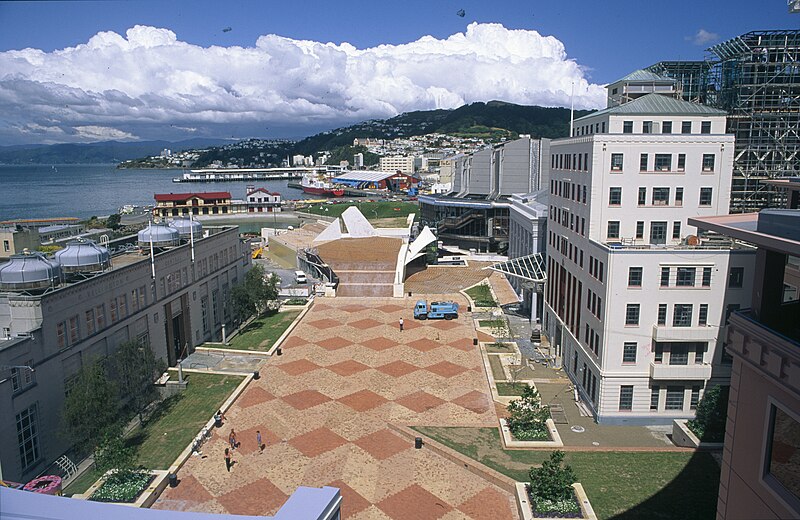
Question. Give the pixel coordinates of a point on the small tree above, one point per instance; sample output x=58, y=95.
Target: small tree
x=527, y=416
x=113, y=453
x=552, y=481
x=136, y=369
x=113, y=221
x=254, y=294
x=91, y=406
x=711, y=416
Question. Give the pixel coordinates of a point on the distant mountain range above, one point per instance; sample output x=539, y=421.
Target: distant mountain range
x=102, y=152
x=479, y=119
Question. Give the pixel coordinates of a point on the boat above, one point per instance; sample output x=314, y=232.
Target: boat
x=319, y=186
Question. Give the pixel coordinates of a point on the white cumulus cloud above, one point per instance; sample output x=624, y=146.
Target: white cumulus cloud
x=702, y=37
x=148, y=81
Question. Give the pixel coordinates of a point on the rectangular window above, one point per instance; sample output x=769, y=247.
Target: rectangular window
x=625, y=397
x=642, y=196
x=674, y=398
x=61, y=334
x=113, y=310
x=658, y=232
x=695, y=398
x=21, y=377
x=647, y=127
x=679, y=196
x=705, y=127
x=627, y=127
x=603, y=127
x=666, y=127
x=100, y=316
x=616, y=162
x=682, y=315
x=632, y=314
x=676, y=230
x=658, y=356
x=584, y=194
x=615, y=196
x=613, y=229
x=665, y=276
x=654, y=393
x=681, y=162
x=660, y=196
x=686, y=277
x=643, y=162
x=204, y=311
x=90, y=322
x=122, y=305
x=706, y=277
x=28, y=437
x=686, y=127
x=663, y=162
x=6, y=245
x=782, y=471
x=705, y=196
x=629, y=352
x=702, y=314
x=699, y=352
x=708, y=162
x=736, y=278
x=640, y=229
x=662, y=313
x=634, y=277
x=74, y=333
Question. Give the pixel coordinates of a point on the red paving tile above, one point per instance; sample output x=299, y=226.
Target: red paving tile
x=444, y=324
x=334, y=343
x=306, y=399
x=364, y=324
x=414, y=502
x=325, y=323
x=353, y=308
x=423, y=345
x=389, y=308
x=317, y=442
x=247, y=440
x=261, y=497
x=382, y=444
x=254, y=395
x=419, y=401
x=446, y=369
x=488, y=504
x=293, y=341
x=347, y=368
x=397, y=368
x=464, y=344
x=379, y=343
x=363, y=400
x=301, y=366
x=191, y=490
x=352, y=502
x=474, y=401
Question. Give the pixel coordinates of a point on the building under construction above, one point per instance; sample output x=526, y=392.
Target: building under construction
x=755, y=77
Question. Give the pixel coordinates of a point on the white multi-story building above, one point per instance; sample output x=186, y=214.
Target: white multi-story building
x=397, y=163
x=636, y=303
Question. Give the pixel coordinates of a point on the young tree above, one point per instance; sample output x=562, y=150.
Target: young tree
x=712, y=415
x=552, y=481
x=254, y=294
x=91, y=407
x=136, y=369
x=113, y=221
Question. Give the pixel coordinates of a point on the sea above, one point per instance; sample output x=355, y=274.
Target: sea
x=85, y=190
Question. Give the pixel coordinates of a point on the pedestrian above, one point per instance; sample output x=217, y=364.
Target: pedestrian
x=232, y=439
x=401, y=324
x=258, y=440
x=228, y=460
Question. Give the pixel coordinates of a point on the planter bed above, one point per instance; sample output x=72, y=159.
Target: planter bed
x=525, y=504
x=124, y=492
x=684, y=437
x=509, y=442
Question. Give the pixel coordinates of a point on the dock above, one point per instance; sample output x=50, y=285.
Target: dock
x=348, y=191
x=242, y=174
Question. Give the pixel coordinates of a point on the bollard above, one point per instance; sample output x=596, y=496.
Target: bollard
x=279, y=351
x=256, y=375
x=475, y=342
x=173, y=480
x=409, y=293
x=418, y=442
x=469, y=308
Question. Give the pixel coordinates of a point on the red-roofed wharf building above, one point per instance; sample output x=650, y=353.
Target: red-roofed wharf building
x=184, y=204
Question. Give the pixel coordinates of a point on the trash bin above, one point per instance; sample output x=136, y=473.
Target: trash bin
x=173, y=480
x=475, y=342
x=418, y=442
x=256, y=375
x=279, y=351
x=218, y=421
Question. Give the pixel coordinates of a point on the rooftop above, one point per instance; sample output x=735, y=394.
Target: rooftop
x=363, y=175
x=644, y=75
x=657, y=104
x=180, y=197
x=771, y=229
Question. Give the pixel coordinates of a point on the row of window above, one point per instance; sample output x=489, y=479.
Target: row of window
x=597, y=128
x=682, y=314
x=592, y=339
x=660, y=196
x=674, y=397
x=658, y=231
x=568, y=190
x=570, y=161
x=651, y=127
x=662, y=162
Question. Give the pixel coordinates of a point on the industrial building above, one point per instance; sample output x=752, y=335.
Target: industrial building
x=380, y=180
x=636, y=302
x=166, y=288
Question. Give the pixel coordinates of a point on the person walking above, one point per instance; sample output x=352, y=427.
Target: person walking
x=232, y=439
x=401, y=324
x=258, y=440
x=228, y=460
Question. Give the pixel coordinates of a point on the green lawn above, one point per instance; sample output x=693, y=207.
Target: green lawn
x=491, y=324
x=482, y=296
x=173, y=425
x=620, y=485
x=261, y=333
x=497, y=368
x=500, y=348
x=511, y=388
x=371, y=210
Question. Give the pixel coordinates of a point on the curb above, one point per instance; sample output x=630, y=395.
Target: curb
x=289, y=329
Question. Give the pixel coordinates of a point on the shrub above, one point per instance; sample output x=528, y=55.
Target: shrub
x=712, y=413
x=527, y=417
x=551, y=486
x=123, y=486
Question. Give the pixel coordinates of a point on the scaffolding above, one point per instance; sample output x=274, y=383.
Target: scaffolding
x=755, y=77
x=691, y=78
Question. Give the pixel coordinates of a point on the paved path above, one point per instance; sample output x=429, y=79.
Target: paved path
x=324, y=406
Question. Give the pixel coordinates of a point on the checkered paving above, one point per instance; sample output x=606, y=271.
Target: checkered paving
x=323, y=409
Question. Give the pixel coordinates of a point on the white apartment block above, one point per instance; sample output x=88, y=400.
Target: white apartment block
x=395, y=163
x=636, y=303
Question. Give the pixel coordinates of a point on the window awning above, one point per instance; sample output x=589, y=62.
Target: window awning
x=529, y=268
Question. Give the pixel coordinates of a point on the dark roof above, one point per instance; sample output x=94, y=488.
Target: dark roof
x=180, y=197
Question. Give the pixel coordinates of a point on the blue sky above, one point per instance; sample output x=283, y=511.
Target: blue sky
x=606, y=39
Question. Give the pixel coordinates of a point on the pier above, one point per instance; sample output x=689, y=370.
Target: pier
x=242, y=174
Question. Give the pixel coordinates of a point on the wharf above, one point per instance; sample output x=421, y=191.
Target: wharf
x=348, y=191
x=244, y=174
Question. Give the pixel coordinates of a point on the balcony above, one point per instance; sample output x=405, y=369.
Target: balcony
x=666, y=372
x=666, y=333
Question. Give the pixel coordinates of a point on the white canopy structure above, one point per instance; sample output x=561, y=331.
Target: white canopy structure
x=529, y=268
